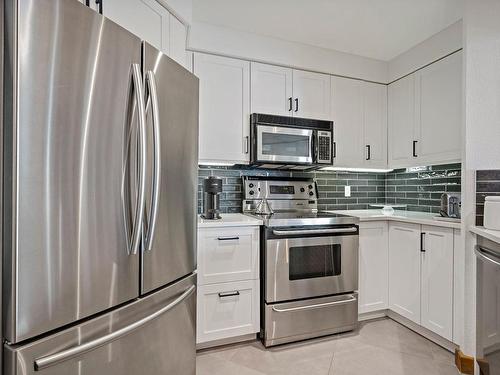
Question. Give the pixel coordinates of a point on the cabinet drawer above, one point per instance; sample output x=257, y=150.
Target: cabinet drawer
x=228, y=254
x=227, y=310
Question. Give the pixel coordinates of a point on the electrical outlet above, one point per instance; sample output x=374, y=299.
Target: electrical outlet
x=347, y=191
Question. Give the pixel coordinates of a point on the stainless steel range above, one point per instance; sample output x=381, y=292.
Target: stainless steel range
x=309, y=262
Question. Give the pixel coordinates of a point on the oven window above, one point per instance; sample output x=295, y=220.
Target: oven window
x=307, y=262
x=285, y=144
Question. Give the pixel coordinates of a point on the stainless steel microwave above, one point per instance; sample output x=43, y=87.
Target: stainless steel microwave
x=291, y=142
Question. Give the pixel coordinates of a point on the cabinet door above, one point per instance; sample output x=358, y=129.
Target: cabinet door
x=145, y=18
x=373, y=266
x=271, y=90
x=375, y=125
x=347, y=116
x=311, y=93
x=439, y=110
x=404, y=270
x=224, y=108
x=177, y=47
x=437, y=280
x=401, y=113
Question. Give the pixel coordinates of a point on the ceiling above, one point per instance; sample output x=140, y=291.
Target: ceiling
x=380, y=29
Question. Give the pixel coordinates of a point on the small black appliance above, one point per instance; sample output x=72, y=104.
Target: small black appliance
x=212, y=187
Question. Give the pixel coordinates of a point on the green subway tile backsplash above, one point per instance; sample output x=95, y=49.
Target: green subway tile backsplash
x=421, y=191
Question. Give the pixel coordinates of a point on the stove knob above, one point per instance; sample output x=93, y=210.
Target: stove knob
x=251, y=192
x=302, y=189
x=310, y=186
x=311, y=193
x=250, y=185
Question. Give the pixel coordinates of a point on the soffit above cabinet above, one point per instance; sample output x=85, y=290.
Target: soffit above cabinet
x=364, y=27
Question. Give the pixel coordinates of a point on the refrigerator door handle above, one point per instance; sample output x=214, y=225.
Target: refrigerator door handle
x=141, y=186
x=155, y=194
x=65, y=355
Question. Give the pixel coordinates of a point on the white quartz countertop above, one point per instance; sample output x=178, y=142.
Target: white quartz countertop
x=492, y=235
x=401, y=216
x=229, y=220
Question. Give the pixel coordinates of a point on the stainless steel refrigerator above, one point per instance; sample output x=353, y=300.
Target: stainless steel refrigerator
x=99, y=156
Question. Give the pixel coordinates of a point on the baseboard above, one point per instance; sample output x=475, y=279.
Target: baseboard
x=372, y=315
x=228, y=341
x=441, y=341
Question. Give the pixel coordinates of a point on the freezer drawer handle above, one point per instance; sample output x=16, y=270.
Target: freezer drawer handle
x=65, y=355
x=482, y=253
x=155, y=194
x=314, y=231
x=317, y=306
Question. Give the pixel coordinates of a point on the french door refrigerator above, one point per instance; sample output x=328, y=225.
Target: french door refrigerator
x=100, y=157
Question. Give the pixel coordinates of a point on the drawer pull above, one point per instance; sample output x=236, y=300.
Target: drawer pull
x=230, y=294
x=228, y=238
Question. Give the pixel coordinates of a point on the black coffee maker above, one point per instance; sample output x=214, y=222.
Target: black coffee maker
x=212, y=187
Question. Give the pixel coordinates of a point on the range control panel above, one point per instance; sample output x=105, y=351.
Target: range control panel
x=280, y=189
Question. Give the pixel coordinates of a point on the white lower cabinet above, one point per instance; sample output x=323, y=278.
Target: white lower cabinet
x=437, y=280
x=228, y=283
x=421, y=275
x=373, y=266
x=227, y=310
x=404, y=270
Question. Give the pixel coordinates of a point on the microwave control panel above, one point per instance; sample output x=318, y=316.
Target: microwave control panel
x=324, y=147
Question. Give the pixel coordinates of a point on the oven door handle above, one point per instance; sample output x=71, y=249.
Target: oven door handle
x=314, y=231
x=317, y=306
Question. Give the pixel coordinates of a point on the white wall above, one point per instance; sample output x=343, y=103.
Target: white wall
x=228, y=42
x=481, y=126
x=439, y=45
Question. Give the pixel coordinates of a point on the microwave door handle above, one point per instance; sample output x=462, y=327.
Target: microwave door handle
x=314, y=154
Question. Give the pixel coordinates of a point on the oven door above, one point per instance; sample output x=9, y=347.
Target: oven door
x=304, y=263
x=282, y=144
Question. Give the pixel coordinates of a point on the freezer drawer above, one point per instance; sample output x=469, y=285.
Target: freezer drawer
x=151, y=336
x=299, y=320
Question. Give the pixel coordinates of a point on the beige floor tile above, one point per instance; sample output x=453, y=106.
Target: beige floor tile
x=378, y=347
x=211, y=365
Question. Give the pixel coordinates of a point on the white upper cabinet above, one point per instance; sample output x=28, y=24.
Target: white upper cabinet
x=287, y=92
x=347, y=116
x=401, y=105
x=177, y=46
x=437, y=280
x=271, y=89
x=438, y=89
x=311, y=95
x=145, y=18
x=375, y=124
x=425, y=115
x=404, y=270
x=224, y=108
x=152, y=22
x=373, y=266
x=359, y=114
